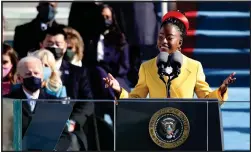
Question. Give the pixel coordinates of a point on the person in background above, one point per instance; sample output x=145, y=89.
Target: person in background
x=9, y=63
x=112, y=57
x=52, y=81
x=112, y=48
x=75, y=48
x=28, y=36
x=74, y=78
x=30, y=76
x=85, y=17
x=134, y=19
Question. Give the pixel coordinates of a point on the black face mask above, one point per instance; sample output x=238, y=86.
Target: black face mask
x=57, y=52
x=32, y=83
x=46, y=13
x=108, y=23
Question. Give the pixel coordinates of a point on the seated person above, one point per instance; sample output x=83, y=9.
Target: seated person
x=30, y=75
x=52, y=81
x=75, y=51
x=74, y=78
x=9, y=64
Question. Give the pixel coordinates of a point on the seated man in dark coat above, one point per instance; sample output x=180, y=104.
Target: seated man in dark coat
x=28, y=36
x=30, y=75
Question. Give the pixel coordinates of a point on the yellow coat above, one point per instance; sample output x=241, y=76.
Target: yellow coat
x=191, y=80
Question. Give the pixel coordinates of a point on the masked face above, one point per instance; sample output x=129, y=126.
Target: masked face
x=46, y=13
x=56, y=44
x=6, y=71
x=108, y=23
x=31, y=75
x=32, y=83
x=107, y=14
x=57, y=52
x=47, y=73
x=69, y=54
x=6, y=65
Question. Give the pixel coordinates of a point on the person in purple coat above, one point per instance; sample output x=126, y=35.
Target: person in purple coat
x=112, y=56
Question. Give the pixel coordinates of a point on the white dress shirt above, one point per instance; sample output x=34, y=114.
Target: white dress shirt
x=100, y=48
x=76, y=62
x=58, y=64
x=105, y=53
x=32, y=103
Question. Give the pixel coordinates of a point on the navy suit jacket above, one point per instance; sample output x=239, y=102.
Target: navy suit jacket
x=76, y=81
x=18, y=93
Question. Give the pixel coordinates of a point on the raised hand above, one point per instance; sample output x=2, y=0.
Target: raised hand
x=110, y=81
x=229, y=80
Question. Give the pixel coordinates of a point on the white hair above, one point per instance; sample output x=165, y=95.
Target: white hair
x=27, y=60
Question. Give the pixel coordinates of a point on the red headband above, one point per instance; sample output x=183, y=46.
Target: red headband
x=177, y=15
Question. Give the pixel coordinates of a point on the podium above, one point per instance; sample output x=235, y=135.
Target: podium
x=139, y=124
x=45, y=128
x=169, y=124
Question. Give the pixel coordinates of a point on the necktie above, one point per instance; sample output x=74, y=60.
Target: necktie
x=32, y=104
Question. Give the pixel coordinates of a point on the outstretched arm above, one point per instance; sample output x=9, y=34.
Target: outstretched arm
x=140, y=90
x=203, y=90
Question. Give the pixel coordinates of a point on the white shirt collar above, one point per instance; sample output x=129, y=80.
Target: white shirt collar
x=76, y=62
x=34, y=96
x=58, y=63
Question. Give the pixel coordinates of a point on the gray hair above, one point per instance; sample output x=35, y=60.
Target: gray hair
x=27, y=60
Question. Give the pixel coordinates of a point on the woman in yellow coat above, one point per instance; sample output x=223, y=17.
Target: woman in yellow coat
x=191, y=78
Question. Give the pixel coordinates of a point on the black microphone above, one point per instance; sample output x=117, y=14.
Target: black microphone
x=173, y=60
x=176, y=61
x=162, y=62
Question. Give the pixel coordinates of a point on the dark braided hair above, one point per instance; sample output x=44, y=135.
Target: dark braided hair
x=178, y=24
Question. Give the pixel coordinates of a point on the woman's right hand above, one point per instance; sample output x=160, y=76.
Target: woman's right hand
x=110, y=81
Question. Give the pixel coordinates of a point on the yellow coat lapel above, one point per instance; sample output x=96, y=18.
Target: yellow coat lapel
x=176, y=83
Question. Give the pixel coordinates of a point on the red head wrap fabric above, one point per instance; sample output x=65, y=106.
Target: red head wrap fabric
x=178, y=15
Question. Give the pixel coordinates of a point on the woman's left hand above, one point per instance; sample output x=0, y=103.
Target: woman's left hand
x=229, y=80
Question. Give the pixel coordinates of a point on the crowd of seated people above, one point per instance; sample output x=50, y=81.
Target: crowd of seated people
x=47, y=62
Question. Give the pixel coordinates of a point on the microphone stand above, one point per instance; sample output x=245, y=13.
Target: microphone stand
x=168, y=83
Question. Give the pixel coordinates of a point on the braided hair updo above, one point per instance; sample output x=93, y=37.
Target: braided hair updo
x=178, y=24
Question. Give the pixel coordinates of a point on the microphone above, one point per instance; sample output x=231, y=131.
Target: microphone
x=176, y=61
x=162, y=62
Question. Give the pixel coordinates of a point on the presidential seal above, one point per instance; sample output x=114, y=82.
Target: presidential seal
x=169, y=128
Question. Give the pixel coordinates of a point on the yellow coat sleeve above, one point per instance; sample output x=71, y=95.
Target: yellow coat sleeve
x=203, y=90
x=140, y=90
